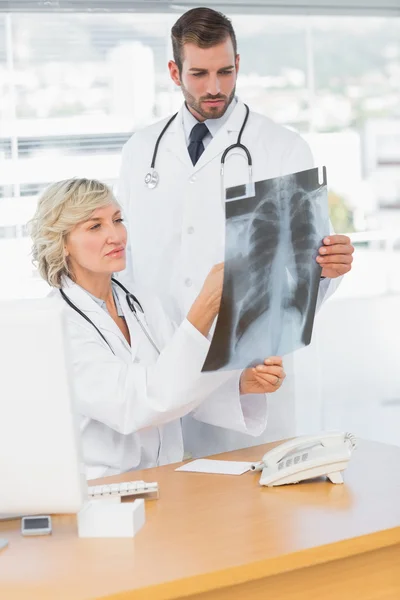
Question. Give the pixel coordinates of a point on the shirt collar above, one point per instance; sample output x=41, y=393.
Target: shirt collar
x=102, y=303
x=213, y=125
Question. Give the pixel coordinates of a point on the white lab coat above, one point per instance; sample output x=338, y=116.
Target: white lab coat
x=129, y=404
x=176, y=230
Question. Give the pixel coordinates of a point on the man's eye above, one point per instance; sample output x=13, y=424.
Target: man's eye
x=198, y=74
x=226, y=72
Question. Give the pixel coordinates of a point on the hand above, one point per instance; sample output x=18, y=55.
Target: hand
x=206, y=306
x=211, y=292
x=335, y=256
x=263, y=379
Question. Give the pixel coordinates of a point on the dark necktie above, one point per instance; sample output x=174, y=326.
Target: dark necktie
x=196, y=146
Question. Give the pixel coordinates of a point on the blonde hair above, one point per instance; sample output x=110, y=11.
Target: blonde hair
x=61, y=207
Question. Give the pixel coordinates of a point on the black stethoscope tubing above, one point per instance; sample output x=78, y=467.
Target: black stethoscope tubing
x=130, y=300
x=239, y=142
x=160, y=137
x=224, y=155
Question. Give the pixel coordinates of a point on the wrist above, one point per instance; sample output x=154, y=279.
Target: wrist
x=242, y=383
x=201, y=316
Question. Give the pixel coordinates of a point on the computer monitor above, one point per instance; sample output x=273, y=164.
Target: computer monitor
x=40, y=458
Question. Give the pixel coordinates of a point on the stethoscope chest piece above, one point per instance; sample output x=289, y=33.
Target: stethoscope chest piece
x=151, y=180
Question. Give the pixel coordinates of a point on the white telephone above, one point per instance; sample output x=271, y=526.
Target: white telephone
x=307, y=457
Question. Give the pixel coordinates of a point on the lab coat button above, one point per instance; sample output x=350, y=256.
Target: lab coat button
x=190, y=230
x=188, y=282
x=192, y=179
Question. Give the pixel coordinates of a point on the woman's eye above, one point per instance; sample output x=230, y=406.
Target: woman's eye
x=95, y=226
x=120, y=220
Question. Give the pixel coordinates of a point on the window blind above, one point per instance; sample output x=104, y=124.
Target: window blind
x=312, y=7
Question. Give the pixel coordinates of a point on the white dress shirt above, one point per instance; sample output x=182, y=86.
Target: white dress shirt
x=102, y=303
x=213, y=125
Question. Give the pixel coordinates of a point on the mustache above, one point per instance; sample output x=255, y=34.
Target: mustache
x=217, y=97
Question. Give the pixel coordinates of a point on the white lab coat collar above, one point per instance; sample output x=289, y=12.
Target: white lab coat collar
x=213, y=125
x=80, y=298
x=176, y=140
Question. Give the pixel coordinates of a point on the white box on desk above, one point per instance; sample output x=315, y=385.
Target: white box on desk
x=108, y=519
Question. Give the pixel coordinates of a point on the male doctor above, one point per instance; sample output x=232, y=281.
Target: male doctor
x=173, y=198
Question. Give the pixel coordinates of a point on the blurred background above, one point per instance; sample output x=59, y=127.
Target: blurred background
x=75, y=84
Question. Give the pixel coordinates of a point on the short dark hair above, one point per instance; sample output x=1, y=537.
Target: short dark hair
x=203, y=27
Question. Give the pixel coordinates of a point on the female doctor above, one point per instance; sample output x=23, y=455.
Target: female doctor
x=135, y=373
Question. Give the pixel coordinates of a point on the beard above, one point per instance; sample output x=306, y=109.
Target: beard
x=214, y=112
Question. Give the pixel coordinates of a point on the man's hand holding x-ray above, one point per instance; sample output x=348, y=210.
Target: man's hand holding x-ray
x=335, y=256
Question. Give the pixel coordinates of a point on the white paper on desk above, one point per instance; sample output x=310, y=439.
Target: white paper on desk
x=221, y=467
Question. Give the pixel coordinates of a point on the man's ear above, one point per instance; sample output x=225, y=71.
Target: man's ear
x=174, y=72
x=237, y=63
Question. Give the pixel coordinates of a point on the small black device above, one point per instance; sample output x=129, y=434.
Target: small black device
x=38, y=525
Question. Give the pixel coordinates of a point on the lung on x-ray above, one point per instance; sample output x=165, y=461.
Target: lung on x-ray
x=271, y=278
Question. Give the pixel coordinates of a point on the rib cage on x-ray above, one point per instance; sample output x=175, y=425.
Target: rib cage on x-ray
x=271, y=276
x=262, y=238
x=303, y=242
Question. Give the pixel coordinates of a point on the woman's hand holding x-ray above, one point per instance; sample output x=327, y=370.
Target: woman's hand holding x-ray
x=263, y=379
x=206, y=306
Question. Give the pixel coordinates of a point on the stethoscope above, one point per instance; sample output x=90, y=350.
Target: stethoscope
x=131, y=300
x=152, y=177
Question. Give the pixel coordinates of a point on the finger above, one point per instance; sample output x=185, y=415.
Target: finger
x=336, y=239
x=218, y=267
x=268, y=380
x=265, y=380
x=345, y=259
x=337, y=249
x=273, y=360
x=274, y=371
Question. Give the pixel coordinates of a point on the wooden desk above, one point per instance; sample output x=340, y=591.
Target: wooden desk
x=219, y=537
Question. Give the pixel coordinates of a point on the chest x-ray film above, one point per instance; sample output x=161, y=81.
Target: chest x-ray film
x=271, y=278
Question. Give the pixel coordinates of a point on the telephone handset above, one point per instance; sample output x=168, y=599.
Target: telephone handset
x=307, y=457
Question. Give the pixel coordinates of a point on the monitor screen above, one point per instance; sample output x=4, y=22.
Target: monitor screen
x=38, y=428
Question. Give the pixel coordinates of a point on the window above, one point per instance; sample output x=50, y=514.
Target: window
x=75, y=86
